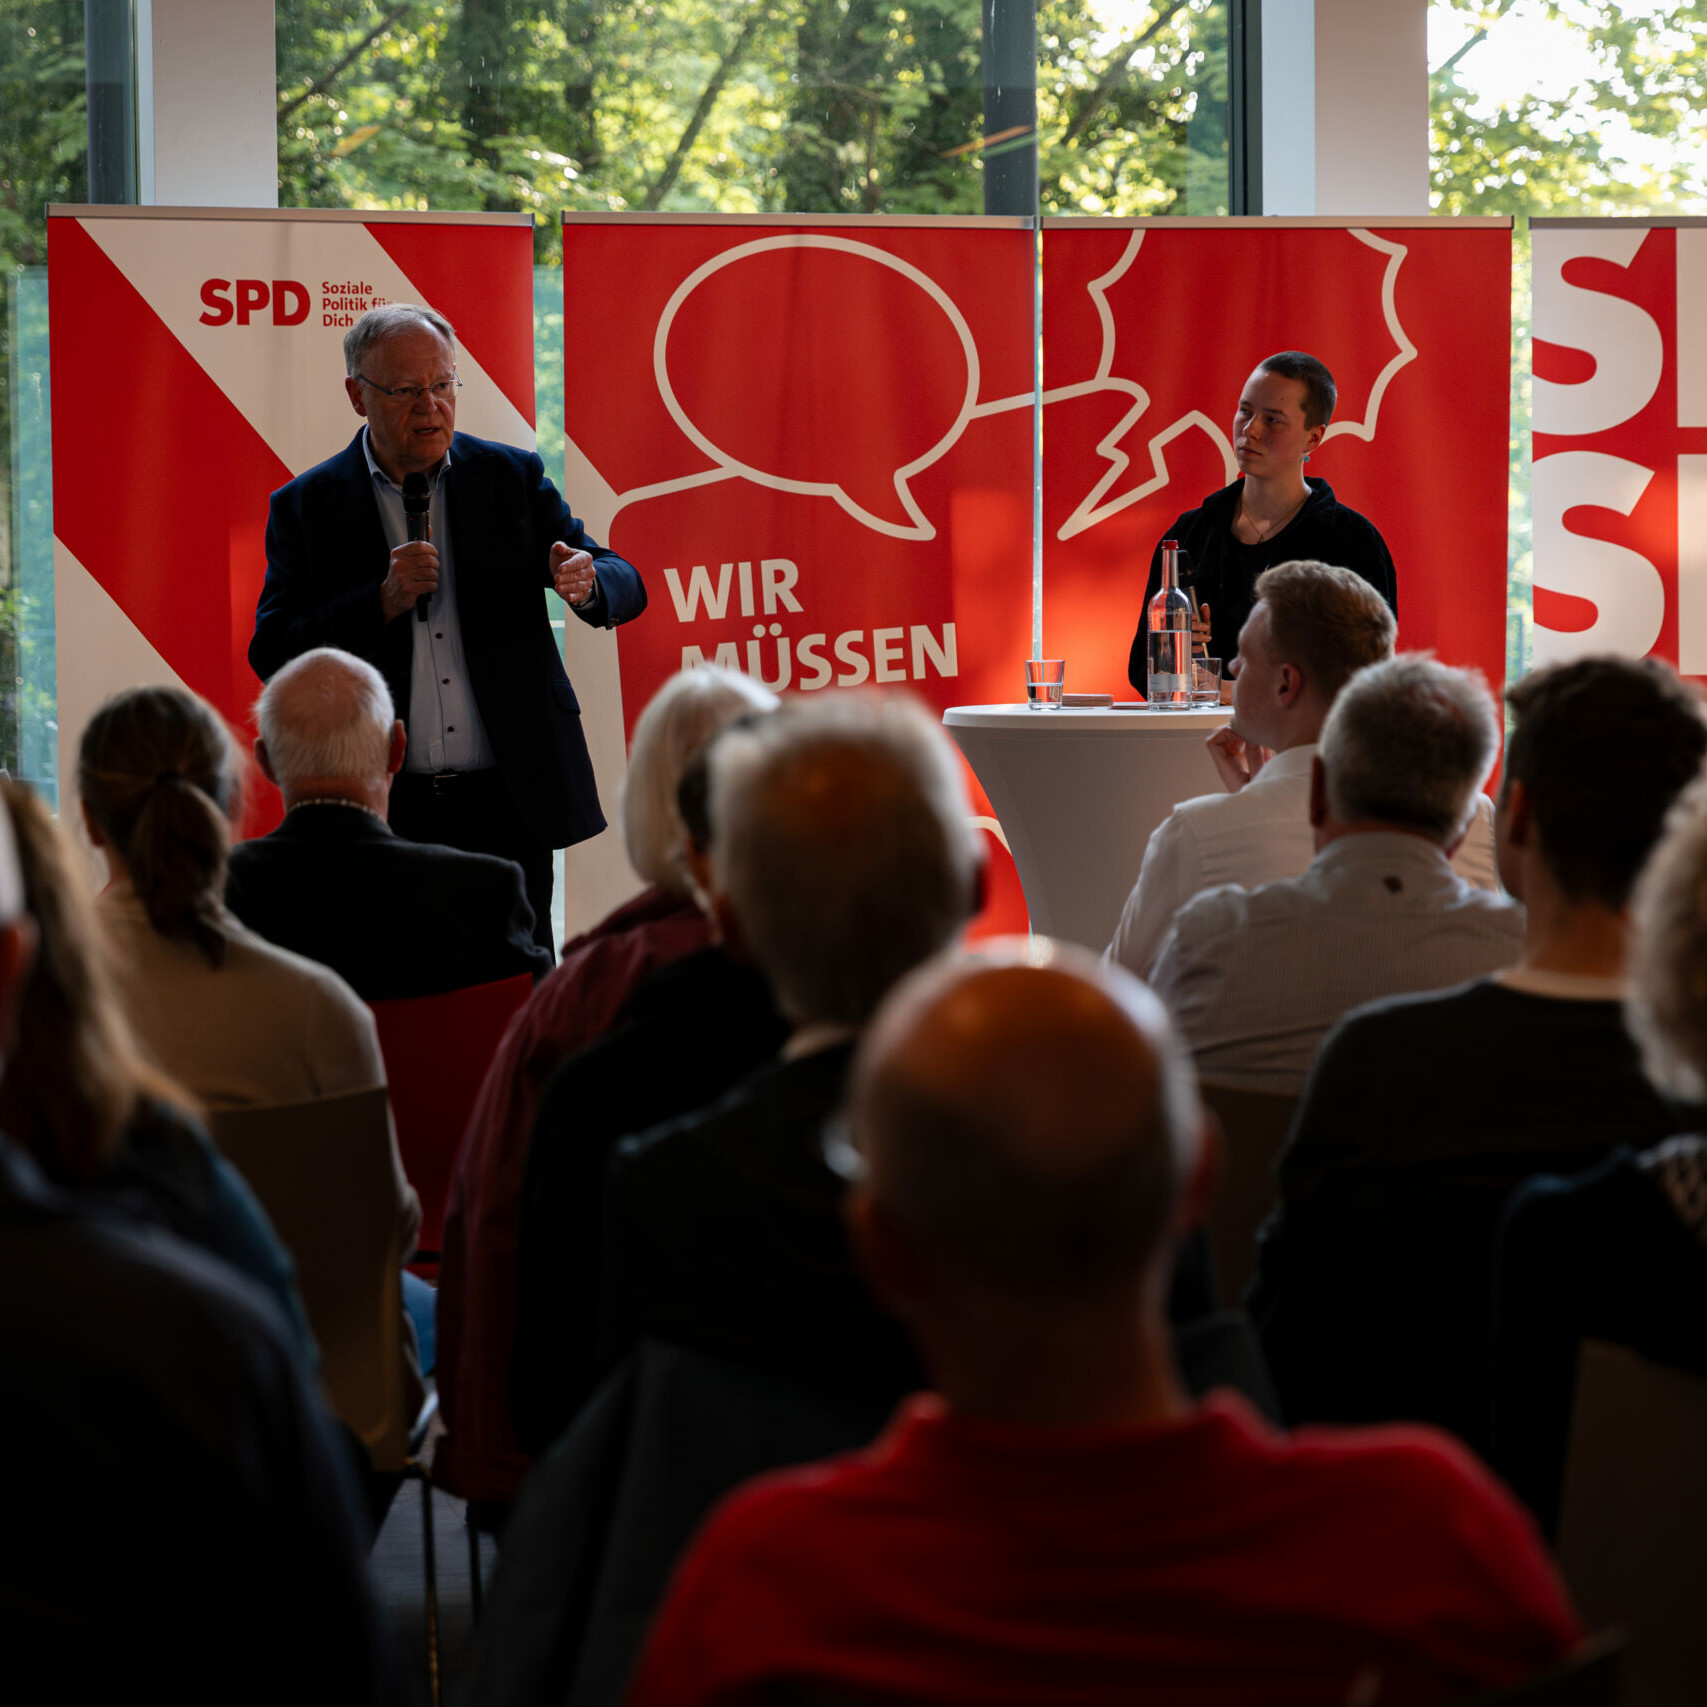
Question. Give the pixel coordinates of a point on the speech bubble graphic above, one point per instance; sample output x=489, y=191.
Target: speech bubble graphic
x=866, y=378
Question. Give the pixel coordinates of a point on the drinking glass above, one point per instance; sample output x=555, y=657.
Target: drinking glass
x=1044, y=680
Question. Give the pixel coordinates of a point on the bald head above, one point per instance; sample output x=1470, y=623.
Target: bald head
x=1028, y=1116
x=324, y=716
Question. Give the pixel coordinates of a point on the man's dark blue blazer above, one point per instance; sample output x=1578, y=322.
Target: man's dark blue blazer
x=326, y=559
x=392, y=918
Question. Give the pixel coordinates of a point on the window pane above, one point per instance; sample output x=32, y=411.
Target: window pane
x=43, y=158
x=844, y=106
x=1562, y=107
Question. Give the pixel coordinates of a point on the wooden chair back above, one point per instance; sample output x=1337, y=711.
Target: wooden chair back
x=322, y=1171
x=1255, y=1125
x=1633, y=1515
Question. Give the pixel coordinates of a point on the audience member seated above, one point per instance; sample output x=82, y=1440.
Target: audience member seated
x=713, y=1018
x=1618, y=1253
x=1256, y=977
x=1058, y=1522
x=842, y=855
x=91, y=1112
x=236, y=1021
x=1425, y=1112
x=1310, y=630
x=577, y=1003
x=177, y=1507
x=392, y=918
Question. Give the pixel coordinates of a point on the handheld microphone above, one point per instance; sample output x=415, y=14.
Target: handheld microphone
x=417, y=500
x=1187, y=581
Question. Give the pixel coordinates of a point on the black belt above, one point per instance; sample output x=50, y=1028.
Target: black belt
x=447, y=782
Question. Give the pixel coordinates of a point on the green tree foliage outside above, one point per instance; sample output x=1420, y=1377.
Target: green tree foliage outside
x=852, y=106
x=1629, y=139
x=43, y=158
x=815, y=106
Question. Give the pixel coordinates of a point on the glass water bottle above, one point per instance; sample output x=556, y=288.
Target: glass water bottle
x=1168, y=620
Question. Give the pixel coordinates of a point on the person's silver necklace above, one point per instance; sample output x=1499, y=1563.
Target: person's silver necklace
x=1264, y=529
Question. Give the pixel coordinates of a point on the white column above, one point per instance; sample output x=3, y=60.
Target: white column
x=1288, y=106
x=207, y=103
x=1345, y=106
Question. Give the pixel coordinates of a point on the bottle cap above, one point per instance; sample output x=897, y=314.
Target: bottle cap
x=1170, y=545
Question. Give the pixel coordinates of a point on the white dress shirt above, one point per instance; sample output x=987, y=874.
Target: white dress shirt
x=1255, y=978
x=1258, y=835
x=445, y=731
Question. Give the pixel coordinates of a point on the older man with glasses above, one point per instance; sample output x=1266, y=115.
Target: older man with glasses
x=415, y=517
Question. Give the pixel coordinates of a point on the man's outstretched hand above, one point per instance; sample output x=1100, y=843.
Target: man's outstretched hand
x=572, y=574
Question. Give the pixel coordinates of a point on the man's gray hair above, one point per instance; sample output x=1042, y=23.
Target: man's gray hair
x=842, y=840
x=1667, y=1010
x=326, y=714
x=683, y=715
x=1408, y=743
x=386, y=321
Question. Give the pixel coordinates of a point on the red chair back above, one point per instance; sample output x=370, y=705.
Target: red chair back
x=437, y=1050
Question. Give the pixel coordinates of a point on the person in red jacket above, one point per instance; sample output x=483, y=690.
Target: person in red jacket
x=1058, y=1521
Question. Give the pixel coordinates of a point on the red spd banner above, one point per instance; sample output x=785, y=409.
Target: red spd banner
x=1152, y=327
x=197, y=367
x=1619, y=486
x=817, y=443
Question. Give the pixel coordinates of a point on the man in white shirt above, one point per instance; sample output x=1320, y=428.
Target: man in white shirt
x=1312, y=628
x=1255, y=977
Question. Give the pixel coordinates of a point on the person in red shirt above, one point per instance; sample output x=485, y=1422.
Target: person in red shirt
x=1058, y=1522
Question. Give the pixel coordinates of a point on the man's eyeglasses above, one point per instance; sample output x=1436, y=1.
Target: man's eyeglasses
x=441, y=390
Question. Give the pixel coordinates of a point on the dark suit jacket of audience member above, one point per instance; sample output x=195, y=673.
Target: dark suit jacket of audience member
x=177, y=1506
x=392, y=918
x=723, y=1231
x=1423, y=1114
x=693, y=1029
x=1614, y=1254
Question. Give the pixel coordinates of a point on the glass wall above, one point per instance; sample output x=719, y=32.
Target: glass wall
x=44, y=134
x=831, y=106
x=1562, y=107
x=826, y=106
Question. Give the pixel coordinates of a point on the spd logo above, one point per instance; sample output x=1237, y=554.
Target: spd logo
x=225, y=300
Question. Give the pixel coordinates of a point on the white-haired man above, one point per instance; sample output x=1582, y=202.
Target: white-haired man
x=1058, y=1521
x=1256, y=977
x=497, y=761
x=1313, y=627
x=392, y=918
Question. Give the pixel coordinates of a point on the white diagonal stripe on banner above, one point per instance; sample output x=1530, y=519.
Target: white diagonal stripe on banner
x=110, y=652
x=286, y=381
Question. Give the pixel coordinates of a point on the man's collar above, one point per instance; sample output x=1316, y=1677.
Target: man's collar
x=811, y=1039
x=1291, y=762
x=433, y=474
x=338, y=800
x=1373, y=847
